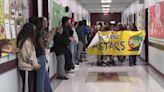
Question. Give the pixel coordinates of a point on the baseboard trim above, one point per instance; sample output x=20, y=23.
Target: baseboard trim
x=141, y=58
x=156, y=70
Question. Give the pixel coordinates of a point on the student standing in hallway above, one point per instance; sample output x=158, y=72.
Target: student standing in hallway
x=72, y=45
x=42, y=77
x=47, y=36
x=81, y=43
x=27, y=60
x=68, y=55
x=60, y=47
x=76, y=44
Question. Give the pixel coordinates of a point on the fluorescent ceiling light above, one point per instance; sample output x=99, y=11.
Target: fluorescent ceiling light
x=105, y=6
x=105, y=9
x=106, y=12
x=106, y=1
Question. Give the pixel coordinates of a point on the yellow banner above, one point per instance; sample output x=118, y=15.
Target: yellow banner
x=117, y=43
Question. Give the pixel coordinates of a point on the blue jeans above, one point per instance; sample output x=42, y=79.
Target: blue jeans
x=75, y=54
x=132, y=58
x=72, y=49
x=42, y=77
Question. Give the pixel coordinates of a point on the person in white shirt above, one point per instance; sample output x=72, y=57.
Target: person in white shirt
x=77, y=41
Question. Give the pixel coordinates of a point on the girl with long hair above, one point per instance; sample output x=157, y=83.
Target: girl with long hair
x=27, y=60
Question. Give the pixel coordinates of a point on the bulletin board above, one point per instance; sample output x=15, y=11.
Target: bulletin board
x=13, y=14
x=58, y=11
x=131, y=19
x=140, y=20
x=156, y=22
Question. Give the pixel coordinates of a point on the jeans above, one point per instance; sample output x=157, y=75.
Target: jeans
x=80, y=50
x=61, y=65
x=72, y=49
x=132, y=59
x=75, y=55
x=42, y=81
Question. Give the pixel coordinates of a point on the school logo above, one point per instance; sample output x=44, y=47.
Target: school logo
x=135, y=42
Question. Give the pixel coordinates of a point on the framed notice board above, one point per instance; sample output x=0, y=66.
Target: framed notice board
x=13, y=14
x=156, y=22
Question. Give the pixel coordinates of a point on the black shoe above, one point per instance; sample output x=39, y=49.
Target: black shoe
x=130, y=64
x=100, y=63
x=80, y=61
x=112, y=63
x=62, y=78
x=77, y=63
x=134, y=63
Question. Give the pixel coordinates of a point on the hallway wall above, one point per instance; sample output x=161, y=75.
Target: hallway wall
x=156, y=56
x=75, y=7
x=10, y=81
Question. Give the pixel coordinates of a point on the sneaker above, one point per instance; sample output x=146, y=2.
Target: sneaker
x=80, y=60
x=72, y=71
x=77, y=66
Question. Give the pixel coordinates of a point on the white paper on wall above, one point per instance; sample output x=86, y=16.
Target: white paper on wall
x=6, y=5
x=7, y=29
x=13, y=31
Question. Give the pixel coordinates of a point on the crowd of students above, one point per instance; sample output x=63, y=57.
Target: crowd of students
x=69, y=42
x=110, y=60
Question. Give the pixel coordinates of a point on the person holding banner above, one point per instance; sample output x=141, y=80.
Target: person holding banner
x=132, y=58
x=100, y=61
x=120, y=28
x=109, y=59
x=119, y=43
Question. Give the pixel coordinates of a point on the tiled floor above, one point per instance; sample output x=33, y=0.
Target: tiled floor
x=107, y=77
x=90, y=78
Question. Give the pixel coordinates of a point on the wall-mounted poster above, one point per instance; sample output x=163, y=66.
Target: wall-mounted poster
x=2, y=32
x=156, y=20
x=7, y=29
x=13, y=31
x=131, y=19
x=6, y=3
x=140, y=20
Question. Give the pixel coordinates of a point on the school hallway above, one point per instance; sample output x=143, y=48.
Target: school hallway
x=119, y=78
x=69, y=45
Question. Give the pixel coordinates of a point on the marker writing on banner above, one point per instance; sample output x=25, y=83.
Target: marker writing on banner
x=103, y=46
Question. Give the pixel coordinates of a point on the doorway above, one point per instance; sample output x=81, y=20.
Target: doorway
x=45, y=9
x=33, y=10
